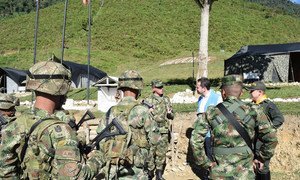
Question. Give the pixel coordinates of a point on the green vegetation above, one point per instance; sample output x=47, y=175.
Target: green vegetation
x=281, y=6
x=18, y=7
x=142, y=34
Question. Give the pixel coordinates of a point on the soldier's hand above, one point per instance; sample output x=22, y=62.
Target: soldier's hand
x=257, y=165
x=213, y=164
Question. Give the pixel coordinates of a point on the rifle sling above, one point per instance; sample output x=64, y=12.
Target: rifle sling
x=33, y=127
x=232, y=120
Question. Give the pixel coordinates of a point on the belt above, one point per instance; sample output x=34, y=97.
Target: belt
x=235, y=150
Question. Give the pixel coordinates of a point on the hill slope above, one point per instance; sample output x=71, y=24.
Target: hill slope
x=141, y=34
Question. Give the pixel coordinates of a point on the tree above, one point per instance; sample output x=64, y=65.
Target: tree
x=205, y=6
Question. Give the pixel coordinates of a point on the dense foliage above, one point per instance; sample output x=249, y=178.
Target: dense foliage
x=13, y=7
x=281, y=6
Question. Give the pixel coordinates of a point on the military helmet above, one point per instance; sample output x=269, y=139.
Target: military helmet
x=49, y=77
x=131, y=79
x=8, y=101
x=231, y=80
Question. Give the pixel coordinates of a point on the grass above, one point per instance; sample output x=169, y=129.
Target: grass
x=142, y=34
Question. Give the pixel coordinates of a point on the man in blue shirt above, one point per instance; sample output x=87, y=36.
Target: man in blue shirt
x=208, y=97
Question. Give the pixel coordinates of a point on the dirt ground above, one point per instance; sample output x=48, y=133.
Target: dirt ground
x=284, y=165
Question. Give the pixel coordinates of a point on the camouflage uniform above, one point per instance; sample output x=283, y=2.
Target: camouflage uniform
x=161, y=104
x=7, y=103
x=274, y=115
x=232, y=155
x=141, y=127
x=52, y=151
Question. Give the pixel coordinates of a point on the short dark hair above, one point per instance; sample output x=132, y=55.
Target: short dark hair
x=204, y=82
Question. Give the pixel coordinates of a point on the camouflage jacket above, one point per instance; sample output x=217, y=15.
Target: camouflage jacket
x=272, y=112
x=233, y=156
x=52, y=151
x=6, y=120
x=9, y=167
x=160, y=111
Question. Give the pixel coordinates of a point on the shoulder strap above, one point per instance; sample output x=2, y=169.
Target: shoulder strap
x=232, y=120
x=33, y=127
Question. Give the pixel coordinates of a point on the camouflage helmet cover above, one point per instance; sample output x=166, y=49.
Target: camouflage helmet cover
x=131, y=79
x=8, y=101
x=49, y=77
x=231, y=80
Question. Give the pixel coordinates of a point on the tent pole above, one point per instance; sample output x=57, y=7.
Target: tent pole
x=35, y=38
x=292, y=70
x=36, y=29
x=89, y=49
x=64, y=31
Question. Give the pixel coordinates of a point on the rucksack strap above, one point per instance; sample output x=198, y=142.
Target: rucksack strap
x=233, y=121
x=27, y=136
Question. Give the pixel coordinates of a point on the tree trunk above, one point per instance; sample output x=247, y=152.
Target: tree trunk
x=203, y=44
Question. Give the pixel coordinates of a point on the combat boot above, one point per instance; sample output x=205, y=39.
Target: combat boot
x=158, y=174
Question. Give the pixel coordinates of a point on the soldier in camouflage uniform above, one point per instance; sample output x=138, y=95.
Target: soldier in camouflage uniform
x=39, y=145
x=7, y=109
x=257, y=91
x=233, y=158
x=139, y=120
x=162, y=113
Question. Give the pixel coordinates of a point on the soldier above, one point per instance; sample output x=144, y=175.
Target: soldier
x=257, y=91
x=130, y=158
x=233, y=125
x=7, y=109
x=39, y=145
x=162, y=113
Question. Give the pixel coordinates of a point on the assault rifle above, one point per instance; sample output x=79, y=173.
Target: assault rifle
x=105, y=133
x=88, y=115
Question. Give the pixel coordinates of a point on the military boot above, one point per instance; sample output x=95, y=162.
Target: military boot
x=159, y=174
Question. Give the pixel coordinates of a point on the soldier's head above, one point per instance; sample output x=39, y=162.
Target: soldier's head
x=257, y=90
x=49, y=79
x=232, y=85
x=157, y=87
x=8, y=103
x=203, y=85
x=131, y=81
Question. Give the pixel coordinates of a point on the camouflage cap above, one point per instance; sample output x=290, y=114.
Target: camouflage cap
x=258, y=85
x=49, y=77
x=131, y=79
x=8, y=101
x=232, y=79
x=157, y=83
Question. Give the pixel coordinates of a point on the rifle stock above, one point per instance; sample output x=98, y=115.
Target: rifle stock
x=105, y=133
x=88, y=115
x=146, y=103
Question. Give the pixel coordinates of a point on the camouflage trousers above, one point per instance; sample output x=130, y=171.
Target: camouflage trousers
x=126, y=173
x=160, y=151
x=266, y=167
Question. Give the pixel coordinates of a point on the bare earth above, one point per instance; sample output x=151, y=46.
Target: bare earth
x=284, y=165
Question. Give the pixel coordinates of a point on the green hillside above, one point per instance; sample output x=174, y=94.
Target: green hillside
x=140, y=34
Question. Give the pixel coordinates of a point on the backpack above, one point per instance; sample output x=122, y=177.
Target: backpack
x=116, y=148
